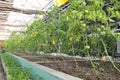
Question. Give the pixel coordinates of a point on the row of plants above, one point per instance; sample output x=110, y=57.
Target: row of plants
x=81, y=28
x=14, y=69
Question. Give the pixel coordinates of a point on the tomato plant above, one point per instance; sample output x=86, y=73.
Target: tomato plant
x=85, y=22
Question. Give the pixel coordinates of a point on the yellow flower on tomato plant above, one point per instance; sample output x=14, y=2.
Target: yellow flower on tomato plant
x=70, y=39
x=53, y=42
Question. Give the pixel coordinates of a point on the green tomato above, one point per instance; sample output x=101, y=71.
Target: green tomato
x=117, y=12
x=74, y=11
x=86, y=11
x=83, y=25
x=87, y=47
x=102, y=26
x=67, y=18
x=98, y=29
x=84, y=3
x=103, y=33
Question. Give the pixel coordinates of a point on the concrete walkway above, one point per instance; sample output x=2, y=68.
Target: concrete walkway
x=2, y=74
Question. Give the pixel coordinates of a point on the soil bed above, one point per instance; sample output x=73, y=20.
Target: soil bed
x=76, y=66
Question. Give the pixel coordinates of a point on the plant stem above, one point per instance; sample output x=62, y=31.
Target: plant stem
x=89, y=54
x=74, y=57
x=109, y=57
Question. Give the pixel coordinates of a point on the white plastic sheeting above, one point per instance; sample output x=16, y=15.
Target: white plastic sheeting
x=15, y=18
x=32, y=4
x=4, y=34
x=9, y=28
x=4, y=37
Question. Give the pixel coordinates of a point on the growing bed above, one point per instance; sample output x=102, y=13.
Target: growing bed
x=37, y=72
x=77, y=67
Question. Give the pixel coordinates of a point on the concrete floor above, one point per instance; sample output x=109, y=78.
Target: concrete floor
x=2, y=74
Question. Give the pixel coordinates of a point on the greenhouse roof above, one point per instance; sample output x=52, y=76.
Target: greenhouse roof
x=15, y=14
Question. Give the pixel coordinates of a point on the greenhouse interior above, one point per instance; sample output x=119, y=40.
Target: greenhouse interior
x=59, y=39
